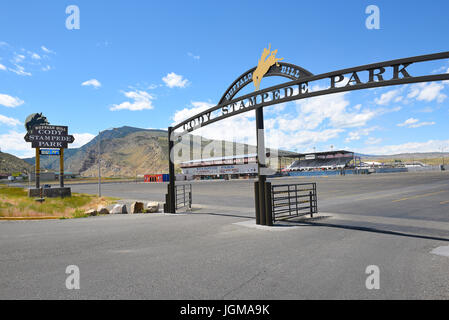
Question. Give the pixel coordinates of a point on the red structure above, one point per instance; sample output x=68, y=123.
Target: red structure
x=156, y=177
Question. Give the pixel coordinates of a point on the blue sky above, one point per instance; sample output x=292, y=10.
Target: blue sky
x=150, y=63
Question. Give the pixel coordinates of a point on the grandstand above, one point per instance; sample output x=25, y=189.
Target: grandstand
x=330, y=160
x=225, y=167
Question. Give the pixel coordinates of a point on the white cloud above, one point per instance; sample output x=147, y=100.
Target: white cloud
x=387, y=97
x=172, y=80
x=141, y=100
x=280, y=131
x=427, y=91
x=81, y=139
x=92, y=82
x=197, y=107
x=20, y=70
x=372, y=140
x=9, y=101
x=9, y=121
x=414, y=123
x=426, y=110
x=18, y=58
x=408, y=122
x=357, y=135
x=46, y=50
x=193, y=56
x=46, y=68
x=35, y=56
x=334, y=108
x=2, y=67
x=301, y=139
x=409, y=147
x=13, y=142
x=421, y=124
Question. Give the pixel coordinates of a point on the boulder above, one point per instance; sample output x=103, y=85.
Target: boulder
x=152, y=206
x=91, y=212
x=102, y=210
x=119, y=208
x=136, y=207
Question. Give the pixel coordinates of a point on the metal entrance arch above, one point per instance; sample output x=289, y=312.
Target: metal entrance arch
x=361, y=77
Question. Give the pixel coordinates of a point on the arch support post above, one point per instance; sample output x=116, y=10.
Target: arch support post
x=261, y=185
x=170, y=197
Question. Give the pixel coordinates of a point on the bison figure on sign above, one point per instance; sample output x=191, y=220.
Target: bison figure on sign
x=34, y=120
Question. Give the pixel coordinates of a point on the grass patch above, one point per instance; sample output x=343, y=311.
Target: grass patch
x=14, y=202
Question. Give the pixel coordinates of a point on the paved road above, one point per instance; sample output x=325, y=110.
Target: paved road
x=408, y=195
x=392, y=221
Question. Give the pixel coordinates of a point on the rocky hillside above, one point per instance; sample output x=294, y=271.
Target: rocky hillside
x=10, y=164
x=124, y=152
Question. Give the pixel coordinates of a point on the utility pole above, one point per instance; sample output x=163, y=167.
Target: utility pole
x=99, y=166
x=442, y=154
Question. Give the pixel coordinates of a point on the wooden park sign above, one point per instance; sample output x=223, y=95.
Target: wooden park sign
x=41, y=134
x=48, y=136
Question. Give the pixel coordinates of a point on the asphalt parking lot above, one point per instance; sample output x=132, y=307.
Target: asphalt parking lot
x=393, y=221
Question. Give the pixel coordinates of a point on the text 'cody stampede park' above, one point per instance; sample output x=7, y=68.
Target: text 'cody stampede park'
x=287, y=92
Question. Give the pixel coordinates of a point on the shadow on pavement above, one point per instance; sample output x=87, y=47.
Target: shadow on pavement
x=367, y=229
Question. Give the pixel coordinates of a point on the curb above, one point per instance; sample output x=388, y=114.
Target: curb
x=33, y=218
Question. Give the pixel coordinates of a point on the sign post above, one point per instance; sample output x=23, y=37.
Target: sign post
x=61, y=168
x=38, y=168
x=44, y=135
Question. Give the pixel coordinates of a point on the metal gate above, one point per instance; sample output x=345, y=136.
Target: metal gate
x=293, y=200
x=183, y=196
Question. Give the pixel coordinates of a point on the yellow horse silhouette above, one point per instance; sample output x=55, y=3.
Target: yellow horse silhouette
x=264, y=64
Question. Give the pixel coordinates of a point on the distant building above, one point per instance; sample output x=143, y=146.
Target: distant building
x=221, y=167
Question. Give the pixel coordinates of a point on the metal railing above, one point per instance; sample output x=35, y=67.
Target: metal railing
x=183, y=194
x=293, y=200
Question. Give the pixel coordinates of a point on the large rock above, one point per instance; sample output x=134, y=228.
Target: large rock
x=152, y=206
x=91, y=212
x=102, y=210
x=119, y=208
x=136, y=207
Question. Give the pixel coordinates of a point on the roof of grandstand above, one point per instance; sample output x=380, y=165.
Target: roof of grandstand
x=252, y=155
x=324, y=153
x=328, y=160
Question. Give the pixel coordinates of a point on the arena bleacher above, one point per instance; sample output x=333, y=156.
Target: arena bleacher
x=331, y=160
